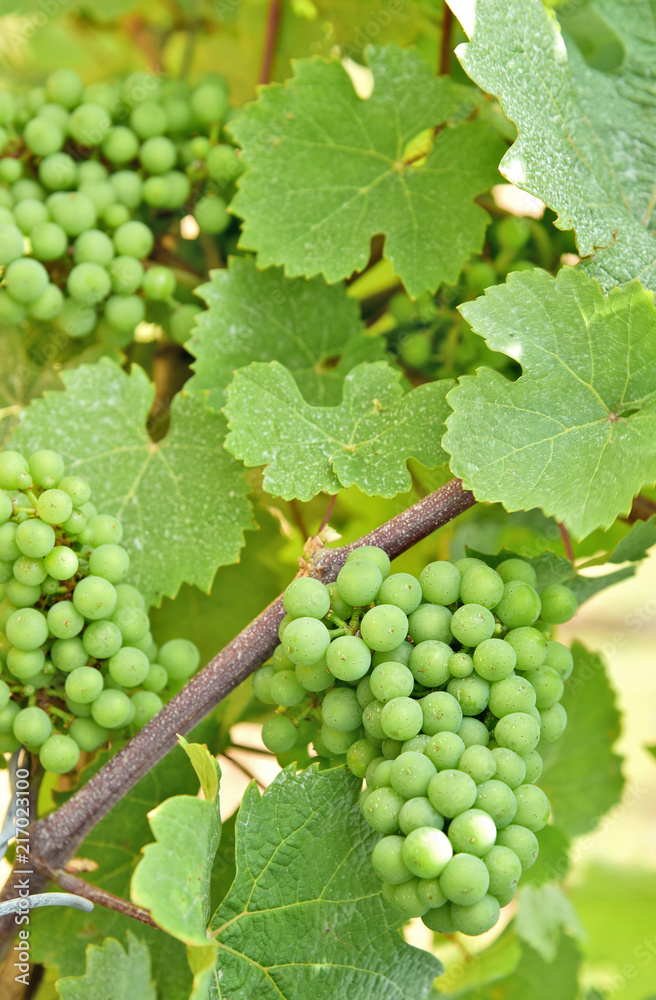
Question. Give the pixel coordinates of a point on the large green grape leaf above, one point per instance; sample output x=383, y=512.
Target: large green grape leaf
x=587, y=139
x=328, y=170
x=582, y=449
x=304, y=918
x=544, y=913
x=112, y=974
x=181, y=500
x=535, y=979
x=365, y=441
x=582, y=773
x=22, y=377
x=172, y=880
x=313, y=329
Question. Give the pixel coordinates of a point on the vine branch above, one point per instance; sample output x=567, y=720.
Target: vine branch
x=273, y=22
x=78, y=886
x=55, y=838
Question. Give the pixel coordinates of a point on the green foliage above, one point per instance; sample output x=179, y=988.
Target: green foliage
x=533, y=977
x=289, y=929
x=544, y=914
x=186, y=481
x=342, y=171
x=514, y=443
x=314, y=330
x=112, y=974
x=365, y=441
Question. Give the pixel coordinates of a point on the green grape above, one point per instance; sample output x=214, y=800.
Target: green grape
x=519, y=606
x=146, y=706
x=445, y=750
x=513, y=694
x=452, y=792
x=340, y=710
x=406, y=899
x=316, y=677
x=465, y=880
x=58, y=172
x=12, y=468
x=48, y=305
x=5, y=695
x=54, y=506
x=120, y=145
x=379, y=772
x=94, y=598
x=7, y=107
x=65, y=87
x=382, y=810
x=30, y=213
x=178, y=187
x=472, y=832
x=27, y=629
x=74, y=212
x=553, y=722
x=262, y=684
x=67, y=654
x=43, y=137
x=306, y=597
x=548, y=686
x=22, y=596
x=363, y=692
x=389, y=681
x=83, y=685
x=109, y=561
x=472, y=624
x=472, y=693
x=504, y=868
x=178, y=113
x=101, y=640
x=558, y=604
x=89, y=124
x=560, y=659
x=9, y=550
x=61, y=562
x=348, y=658
x=59, y=754
x=34, y=538
x=287, y=620
x=131, y=622
x=124, y=312
x=10, y=169
x=371, y=720
x=510, y=767
x=76, y=320
x=358, y=582
x=532, y=807
x=400, y=654
x=337, y=742
x=111, y=709
x=429, y=663
x=533, y=764
x=7, y=716
x=418, y=812
x=530, y=647
x=522, y=842
x=32, y=727
x=11, y=312
x=439, y=920
x=479, y=763
x=103, y=529
x=373, y=554
x=209, y=102
x=481, y=585
x=387, y=859
x=384, y=627
x=477, y=918
x=430, y=894
x=494, y=659
x=148, y=119
x=93, y=247
x=157, y=155
x=158, y=284
x=430, y=622
x=88, y=283
x=285, y=688
x=64, y=620
x=88, y=735
x=133, y=239
x=128, y=596
x=401, y=718
x=129, y=667
x=517, y=569
x=401, y=590
x=26, y=279
x=411, y=773
x=156, y=679
x=426, y=852
x=223, y=164
x=126, y=274
x=305, y=641
x=517, y=731
x=359, y=756
x=441, y=713
x=182, y=322
x=498, y=801
x=28, y=571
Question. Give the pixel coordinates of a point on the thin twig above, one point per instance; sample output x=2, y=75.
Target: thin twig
x=445, y=40
x=273, y=22
x=327, y=515
x=244, y=770
x=70, y=883
x=55, y=838
x=297, y=517
x=567, y=542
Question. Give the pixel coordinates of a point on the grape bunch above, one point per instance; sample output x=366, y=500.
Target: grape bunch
x=78, y=660
x=90, y=179
x=438, y=690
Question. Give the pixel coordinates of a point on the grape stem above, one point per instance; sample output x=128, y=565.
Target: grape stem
x=78, y=886
x=55, y=838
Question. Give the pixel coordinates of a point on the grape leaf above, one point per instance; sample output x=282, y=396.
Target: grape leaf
x=582, y=773
x=181, y=500
x=112, y=974
x=329, y=170
x=480, y=968
x=533, y=977
x=544, y=913
x=304, y=917
x=261, y=316
x=553, y=861
x=172, y=880
x=587, y=139
x=22, y=378
x=636, y=544
x=366, y=440
x=582, y=450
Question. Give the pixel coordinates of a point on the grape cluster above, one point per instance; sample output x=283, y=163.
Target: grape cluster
x=438, y=690
x=78, y=660
x=88, y=176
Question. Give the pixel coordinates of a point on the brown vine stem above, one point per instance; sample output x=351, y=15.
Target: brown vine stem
x=273, y=22
x=445, y=40
x=567, y=542
x=55, y=838
x=70, y=883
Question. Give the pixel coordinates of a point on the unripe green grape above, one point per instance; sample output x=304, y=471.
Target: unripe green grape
x=401, y=718
x=64, y=620
x=30, y=213
x=180, y=658
x=472, y=624
x=111, y=709
x=126, y=274
x=94, y=598
x=43, y=137
x=517, y=731
x=148, y=119
x=157, y=155
x=494, y=659
x=84, y=684
x=223, y=164
x=30, y=572
x=305, y=640
x=48, y=305
x=88, y=735
x=7, y=107
x=358, y=582
x=5, y=695
x=306, y=597
x=115, y=215
x=389, y=681
x=430, y=622
x=517, y=569
x=75, y=212
x=181, y=323
x=62, y=562
x=359, y=756
x=560, y=659
x=209, y=102
x=374, y=554
x=158, y=284
x=67, y=654
x=93, y=247
x=102, y=639
x=285, y=688
x=505, y=869
x=498, y=801
x=472, y=832
x=481, y=585
x=287, y=620
x=27, y=188
x=59, y=754
x=530, y=647
x=89, y=124
x=262, y=684
x=440, y=583
x=445, y=750
x=133, y=239
x=511, y=768
x=88, y=283
x=472, y=693
x=382, y=809
x=519, y=606
x=12, y=467
x=479, y=763
x=25, y=664
x=58, y=172
x=26, y=279
x=379, y=772
x=384, y=627
x=348, y=658
x=426, y=852
x=406, y=899
x=77, y=488
x=156, y=191
x=131, y=621
x=522, y=842
x=418, y=812
x=401, y=590
x=9, y=550
x=452, y=792
x=387, y=860
x=441, y=712
x=54, y=506
x=211, y=215
x=548, y=686
x=476, y=919
x=49, y=241
x=146, y=704
x=76, y=319
x=128, y=188
x=410, y=774
x=120, y=145
x=178, y=113
x=336, y=742
x=65, y=87
x=371, y=720
x=21, y=595
x=129, y=666
x=363, y=692
x=558, y=604
x=103, y=529
x=7, y=716
x=11, y=312
x=553, y=722
x=279, y=734
x=280, y=660
x=27, y=629
x=532, y=807
x=109, y=561
x=340, y=710
x=316, y=677
x=400, y=654
x=10, y=169
x=156, y=679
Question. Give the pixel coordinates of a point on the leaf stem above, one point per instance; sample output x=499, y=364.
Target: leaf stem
x=445, y=40
x=273, y=22
x=78, y=886
x=567, y=542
